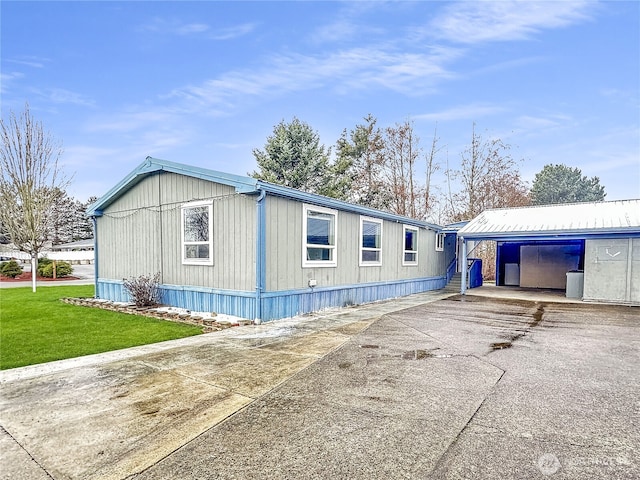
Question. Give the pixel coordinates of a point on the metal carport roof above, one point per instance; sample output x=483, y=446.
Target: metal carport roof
x=575, y=220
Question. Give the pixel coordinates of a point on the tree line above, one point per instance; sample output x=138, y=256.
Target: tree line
x=387, y=168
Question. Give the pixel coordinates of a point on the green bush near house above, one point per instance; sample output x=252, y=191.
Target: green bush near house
x=10, y=269
x=38, y=327
x=63, y=269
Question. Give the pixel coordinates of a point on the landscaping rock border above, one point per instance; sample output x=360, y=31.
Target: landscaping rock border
x=208, y=324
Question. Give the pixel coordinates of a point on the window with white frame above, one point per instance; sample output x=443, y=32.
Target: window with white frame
x=440, y=242
x=318, y=236
x=410, y=251
x=370, y=241
x=197, y=233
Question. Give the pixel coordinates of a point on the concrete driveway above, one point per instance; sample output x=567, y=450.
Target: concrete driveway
x=420, y=387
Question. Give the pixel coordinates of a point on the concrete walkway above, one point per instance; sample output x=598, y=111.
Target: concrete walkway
x=419, y=387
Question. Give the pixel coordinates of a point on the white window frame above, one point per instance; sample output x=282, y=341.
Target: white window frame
x=364, y=263
x=405, y=251
x=440, y=241
x=183, y=243
x=305, y=246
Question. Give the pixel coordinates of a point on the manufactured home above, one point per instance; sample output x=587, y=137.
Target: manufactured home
x=244, y=247
x=590, y=250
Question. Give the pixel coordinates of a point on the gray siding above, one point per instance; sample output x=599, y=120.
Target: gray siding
x=140, y=233
x=284, y=268
x=612, y=270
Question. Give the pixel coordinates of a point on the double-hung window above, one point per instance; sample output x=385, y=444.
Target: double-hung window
x=410, y=251
x=318, y=236
x=197, y=233
x=440, y=242
x=370, y=241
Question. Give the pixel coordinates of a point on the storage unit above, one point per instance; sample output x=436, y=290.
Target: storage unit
x=575, y=284
x=601, y=239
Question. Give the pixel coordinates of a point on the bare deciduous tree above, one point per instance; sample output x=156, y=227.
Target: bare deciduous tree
x=402, y=151
x=30, y=178
x=488, y=177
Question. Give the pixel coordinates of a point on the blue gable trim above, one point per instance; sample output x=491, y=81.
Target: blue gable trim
x=153, y=165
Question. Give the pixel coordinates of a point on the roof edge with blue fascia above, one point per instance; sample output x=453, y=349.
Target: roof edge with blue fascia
x=585, y=234
x=242, y=184
x=322, y=201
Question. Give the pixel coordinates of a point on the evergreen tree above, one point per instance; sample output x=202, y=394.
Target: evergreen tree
x=294, y=157
x=561, y=184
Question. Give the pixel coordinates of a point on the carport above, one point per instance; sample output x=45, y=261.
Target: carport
x=590, y=250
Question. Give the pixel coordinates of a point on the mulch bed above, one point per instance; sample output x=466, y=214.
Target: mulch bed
x=26, y=277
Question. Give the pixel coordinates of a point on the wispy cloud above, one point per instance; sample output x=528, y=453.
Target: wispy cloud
x=60, y=95
x=343, y=71
x=29, y=61
x=176, y=27
x=471, y=112
x=7, y=79
x=232, y=32
x=473, y=22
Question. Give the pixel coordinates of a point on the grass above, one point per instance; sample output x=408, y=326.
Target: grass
x=38, y=327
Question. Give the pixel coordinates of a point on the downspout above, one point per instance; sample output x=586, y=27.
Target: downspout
x=261, y=253
x=95, y=255
x=463, y=278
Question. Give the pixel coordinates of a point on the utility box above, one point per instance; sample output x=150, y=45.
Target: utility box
x=575, y=284
x=512, y=274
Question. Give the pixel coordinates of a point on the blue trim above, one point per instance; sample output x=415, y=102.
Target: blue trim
x=261, y=252
x=152, y=165
x=274, y=305
x=603, y=233
x=95, y=256
x=451, y=269
x=289, y=303
x=319, y=200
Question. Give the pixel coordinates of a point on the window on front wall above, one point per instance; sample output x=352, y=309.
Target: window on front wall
x=319, y=237
x=440, y=242
x=410, y=253
x=197, y=233
x=370, y=241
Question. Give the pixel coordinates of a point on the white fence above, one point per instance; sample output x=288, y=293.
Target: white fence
x=75, y=257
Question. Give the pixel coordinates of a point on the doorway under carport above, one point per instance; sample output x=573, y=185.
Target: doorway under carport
x=538, y=264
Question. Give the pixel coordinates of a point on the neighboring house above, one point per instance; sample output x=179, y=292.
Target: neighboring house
x=590, y=249
x=245, y=247
x=77, y=246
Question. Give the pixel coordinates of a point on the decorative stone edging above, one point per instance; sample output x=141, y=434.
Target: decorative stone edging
x=208, y=324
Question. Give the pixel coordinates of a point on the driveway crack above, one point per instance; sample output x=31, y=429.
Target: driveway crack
x=4, y=431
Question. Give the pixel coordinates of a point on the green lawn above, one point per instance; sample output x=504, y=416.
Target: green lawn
x=38, y=327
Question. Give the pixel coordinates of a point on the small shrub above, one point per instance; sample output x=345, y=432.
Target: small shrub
x=62, y=269
x=42, y=264
x=143, y=290
x=10, y=269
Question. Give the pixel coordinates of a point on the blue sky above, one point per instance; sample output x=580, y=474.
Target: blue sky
x=204, y=83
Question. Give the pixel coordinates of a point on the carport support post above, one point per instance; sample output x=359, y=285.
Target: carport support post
x=463, y=277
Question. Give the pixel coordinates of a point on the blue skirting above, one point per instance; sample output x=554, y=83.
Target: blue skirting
x=279, y=304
